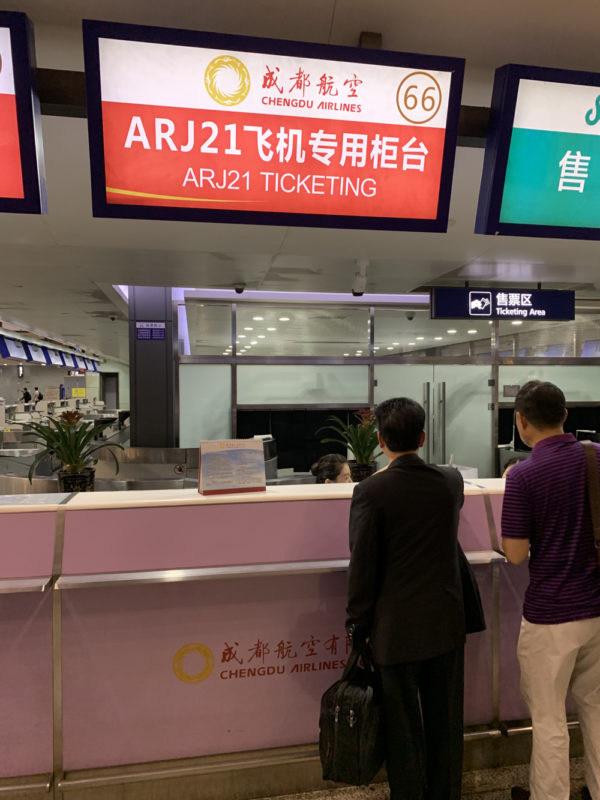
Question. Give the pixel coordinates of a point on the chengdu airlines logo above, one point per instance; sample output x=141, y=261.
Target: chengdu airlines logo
x=227, y=80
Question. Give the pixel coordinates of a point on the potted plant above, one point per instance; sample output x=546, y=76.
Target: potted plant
x=360, y=438
x=72, y=442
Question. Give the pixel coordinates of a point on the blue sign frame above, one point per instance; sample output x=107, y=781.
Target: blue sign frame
x=28, y=117
x=477, y=303
x=502, y=113
x=94, y=30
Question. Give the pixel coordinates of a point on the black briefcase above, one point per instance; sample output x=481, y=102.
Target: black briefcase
x=351, y=738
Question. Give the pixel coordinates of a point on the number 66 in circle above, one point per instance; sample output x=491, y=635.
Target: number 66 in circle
x=419, y=97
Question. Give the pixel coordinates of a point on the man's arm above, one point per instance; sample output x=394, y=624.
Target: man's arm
x=363, y=583
x=517, y=521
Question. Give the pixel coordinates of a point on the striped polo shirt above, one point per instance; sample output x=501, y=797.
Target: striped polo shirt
x=546, y=501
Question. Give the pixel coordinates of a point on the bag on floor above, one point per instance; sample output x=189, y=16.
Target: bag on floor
x=351, y=738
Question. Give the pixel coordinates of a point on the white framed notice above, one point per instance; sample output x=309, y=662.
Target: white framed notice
x=231, y=465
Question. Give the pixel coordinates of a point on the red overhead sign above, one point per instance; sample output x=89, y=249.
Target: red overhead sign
x=314, y=132
x=20, y=148
x=11, y=178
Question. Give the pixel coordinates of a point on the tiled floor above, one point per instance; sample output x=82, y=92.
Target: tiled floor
x=488, y=784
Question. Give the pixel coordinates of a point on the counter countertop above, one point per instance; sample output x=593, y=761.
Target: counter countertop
x=187, y=497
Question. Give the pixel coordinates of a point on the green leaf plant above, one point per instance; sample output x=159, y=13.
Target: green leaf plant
x=359, y=437
x=69, y=440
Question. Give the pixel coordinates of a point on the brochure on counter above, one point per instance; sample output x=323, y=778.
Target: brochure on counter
x=231, y=465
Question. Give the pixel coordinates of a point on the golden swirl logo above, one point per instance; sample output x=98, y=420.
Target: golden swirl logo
x=227, y=80
x=194, y=649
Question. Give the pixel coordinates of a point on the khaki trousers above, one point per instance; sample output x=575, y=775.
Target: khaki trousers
x=554, y=658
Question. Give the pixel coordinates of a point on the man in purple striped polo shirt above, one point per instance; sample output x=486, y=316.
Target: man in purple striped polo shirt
x=546, y=515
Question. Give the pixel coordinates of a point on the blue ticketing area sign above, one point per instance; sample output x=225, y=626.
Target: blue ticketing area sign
x=541, y=171
x=520, y=304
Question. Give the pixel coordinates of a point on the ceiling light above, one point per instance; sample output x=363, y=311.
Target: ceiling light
x=346, y=355
x=420, y=338
x=260, y=336
x=490, y=322
x=271, y=329
x=284, y=319
x=248, y=329
x=517, y=322
x=411, y=343
x=472, y=330
x=242, y=336
x=389, y=348
x=438, y=338
x=451, y=330
x=258, y=319
x=376, y=348
x=396, y=344
x=254, y=342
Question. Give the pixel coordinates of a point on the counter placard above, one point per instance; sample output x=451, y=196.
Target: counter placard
x=22, y=183
x=231, y=465
x=187, y=125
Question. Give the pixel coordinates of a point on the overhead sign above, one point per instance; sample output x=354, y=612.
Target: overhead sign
x=541, y=173
x=186, y=125
x=22, y=187
x=508, y=304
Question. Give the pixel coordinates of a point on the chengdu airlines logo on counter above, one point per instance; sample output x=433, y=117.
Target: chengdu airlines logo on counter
x=227, y=80
x=11, y=178
x=195, y=127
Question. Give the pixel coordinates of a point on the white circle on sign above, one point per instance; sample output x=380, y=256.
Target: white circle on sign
x=419, y=97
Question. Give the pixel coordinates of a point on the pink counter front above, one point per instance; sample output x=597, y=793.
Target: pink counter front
x=197, y=626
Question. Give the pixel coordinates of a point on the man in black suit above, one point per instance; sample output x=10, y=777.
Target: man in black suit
x=405, y=597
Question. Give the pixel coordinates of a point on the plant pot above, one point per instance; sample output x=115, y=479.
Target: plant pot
x=361, y=471
x=76, y=481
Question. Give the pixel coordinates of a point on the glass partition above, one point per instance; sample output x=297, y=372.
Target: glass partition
x=302, y=330
x=286, y=384
x=209, y=328
x=204, y=403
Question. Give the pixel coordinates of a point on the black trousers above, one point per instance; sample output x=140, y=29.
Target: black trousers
x=423, y=702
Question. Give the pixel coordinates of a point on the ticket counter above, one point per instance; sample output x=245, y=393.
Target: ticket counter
x=181, y=628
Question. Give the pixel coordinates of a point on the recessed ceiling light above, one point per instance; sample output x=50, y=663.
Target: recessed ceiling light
x=472, y=330
x=258, y=319
x=261, y=336
x=451, y=330
x=376, y=348
x=490, y=322
x=420, y=338
x=389, y=348
x=284, y=319
x=248, y=329
x=242, y=336
x=346, y=355
x=438, y=338
x=271, y=329
x=396, y=344
x=412, y=343
x=254, y=342
x=517, y=322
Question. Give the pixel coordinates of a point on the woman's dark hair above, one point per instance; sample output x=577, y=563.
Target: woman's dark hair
x=328, y=467
x=400, y=422
x=541, y=403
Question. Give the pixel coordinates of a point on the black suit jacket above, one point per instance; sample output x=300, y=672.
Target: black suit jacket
x=405, y=587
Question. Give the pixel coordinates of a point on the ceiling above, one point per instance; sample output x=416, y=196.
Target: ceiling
x=56, y=271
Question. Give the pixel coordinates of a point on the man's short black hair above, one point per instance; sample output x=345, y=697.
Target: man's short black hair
x=541, y=403
x=400, y=422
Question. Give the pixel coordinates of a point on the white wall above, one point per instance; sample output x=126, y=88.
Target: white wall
x=11, y=387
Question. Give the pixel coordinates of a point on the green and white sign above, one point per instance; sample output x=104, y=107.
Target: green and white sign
x=542, y=165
